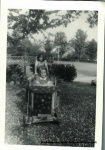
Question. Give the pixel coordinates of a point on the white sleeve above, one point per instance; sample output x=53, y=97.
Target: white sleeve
x=45, y=62
x=36, y=61
x=50, y=83
x=46, y=65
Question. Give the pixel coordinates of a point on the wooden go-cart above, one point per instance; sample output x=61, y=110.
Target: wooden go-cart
x=42, y=104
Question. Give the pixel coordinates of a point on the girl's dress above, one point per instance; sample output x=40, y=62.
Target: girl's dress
x=36, y=80
x=39, y=64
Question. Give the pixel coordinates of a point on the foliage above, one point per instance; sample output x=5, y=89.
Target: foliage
x=25, y=23
x=79, y=42
x=64, y=72
x=36, y=49
x=49, y=45
x=60, y=38
x=73, y=57
x=14, y=73
x=19, y=47
x=91, y=49
x=60, y=41
x=13, y=42
x=94, y=82
x=92, y=18
x=34, y=21
x=69, y=51
x=84, y=56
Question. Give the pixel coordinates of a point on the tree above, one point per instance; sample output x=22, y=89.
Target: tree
x=79, y=42
x=60, y=41
x=22, y=46
x=32, y=21
x=91, y=49
x=35, y=21
x=25, y=47
x=14, y=42
x=92, y=18
x=49, y=45
x=37, y=48
x=69, y=51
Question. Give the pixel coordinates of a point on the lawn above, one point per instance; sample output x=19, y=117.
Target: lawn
x=77, y=125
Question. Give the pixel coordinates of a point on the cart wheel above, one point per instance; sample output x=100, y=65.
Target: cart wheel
x=57, y=114
x=56, y=120
x=26, y=120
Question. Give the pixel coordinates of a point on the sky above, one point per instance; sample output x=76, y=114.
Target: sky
x=71, y=29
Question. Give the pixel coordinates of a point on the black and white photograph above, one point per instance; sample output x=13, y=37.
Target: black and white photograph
x=51, y=77
x=63, y=44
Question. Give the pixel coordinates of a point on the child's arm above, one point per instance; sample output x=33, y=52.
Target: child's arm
x=50, y=83
x=46, y=65
x=30, y=79
x=36, y=65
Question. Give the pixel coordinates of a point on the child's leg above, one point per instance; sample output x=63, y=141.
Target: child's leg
x=30, y=80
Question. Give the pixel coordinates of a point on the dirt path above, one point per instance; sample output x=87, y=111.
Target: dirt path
x=13, y=116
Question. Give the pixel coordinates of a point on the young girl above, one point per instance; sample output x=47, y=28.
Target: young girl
x=40, y=62
x=41, y=79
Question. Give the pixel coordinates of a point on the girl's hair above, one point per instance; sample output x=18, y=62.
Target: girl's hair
x=38, y=57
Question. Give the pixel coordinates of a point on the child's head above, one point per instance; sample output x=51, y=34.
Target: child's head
x=41, y=57
x=43, y=72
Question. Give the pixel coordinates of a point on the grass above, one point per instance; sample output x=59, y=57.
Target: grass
x=77, y=126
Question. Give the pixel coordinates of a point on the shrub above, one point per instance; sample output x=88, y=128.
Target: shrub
x=14, y=73
x=64, y=72
x=94, y=82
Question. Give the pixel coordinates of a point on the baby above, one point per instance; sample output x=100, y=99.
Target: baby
x=41, y=79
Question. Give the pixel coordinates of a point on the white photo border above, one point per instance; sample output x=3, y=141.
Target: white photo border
x=52, y=5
